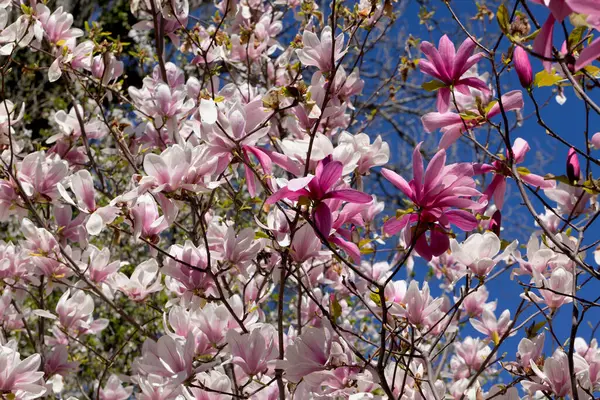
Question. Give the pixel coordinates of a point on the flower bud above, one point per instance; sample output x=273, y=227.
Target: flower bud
x=495, y=223
x=523, y=67
x=573, y=169
x=596, y=140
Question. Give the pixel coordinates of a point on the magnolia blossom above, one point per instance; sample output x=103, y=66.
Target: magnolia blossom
x=530, y=350
x=320, y=53
x=19, y=377
x=417, y=305
x=436, y=193
x=75, y=313
x=114, y=391
x=448, y=66
x=559, y=289
x=254, y=351
x=144, y=281
x=494, y=328
x=479, y=252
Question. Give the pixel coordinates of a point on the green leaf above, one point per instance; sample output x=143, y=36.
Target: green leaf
x=575, y=37
x=544, y=78
x=503, y=18
x=375, y=298
x=433, y=85
x=335, y=307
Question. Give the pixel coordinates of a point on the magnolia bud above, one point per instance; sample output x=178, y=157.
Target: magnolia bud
x=596, y=140
x=523, y=66
x=573, y=169
x=495, y=223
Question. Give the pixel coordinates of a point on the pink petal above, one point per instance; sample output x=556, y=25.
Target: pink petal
x=510, y=101
x=543, y=41
x=397, y=181
x=417, y=169
x=434, y=56
x=394, y=225
x=434, y=120
x=451, y=135
x=331, y=173
x=464, y=52
x=443, y=100
x=588, y=7
x=439, y=242
x=428, y=68
x=520, y=149
x=323, y=219
x=588, y=55
x=447, y=52
x=349, y=195
x=461, y=219
x=350, y=248
x=475, y=83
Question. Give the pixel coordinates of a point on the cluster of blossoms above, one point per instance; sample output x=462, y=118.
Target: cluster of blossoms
x=217, y=231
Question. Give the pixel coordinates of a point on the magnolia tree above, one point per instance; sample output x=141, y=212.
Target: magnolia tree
x=233, y=226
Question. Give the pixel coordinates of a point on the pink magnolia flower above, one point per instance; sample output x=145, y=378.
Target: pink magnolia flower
x=75, y=313
x=168, y=358
x=555, y=376
x=497, y=187
x=146, y=220
x=453, y=125
x=474, y=303
x=305, y=244
x=240, y=248
x=559, y=288
x=253, y=352
x=99, y=268
x=437, y=194
x=114, y=391
x=210, y=386
x=82, y=185
x=144, y=281
x=39, y=175
x=21, y=378
x=308, y=354
x=369, y=155
x=479, y=252
x=417, y=306
x=538, y=257
x=318, y=188
x=57, y=362
x=492, y=327
x=9, y=113
x=320, y=53
x=530, y=350
x=571, y=200
x=448, y=66
x=57, y=25
x=468, y=357
x=191, y=279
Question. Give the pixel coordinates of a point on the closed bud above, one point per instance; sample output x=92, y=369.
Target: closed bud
x=495, y=223
x=573, y=168
x=523, y=67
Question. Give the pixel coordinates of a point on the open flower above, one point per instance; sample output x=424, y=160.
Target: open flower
x=448, y=66
x=478, y=252
x=21, y=378
x=440, y=195
x=318, y=188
